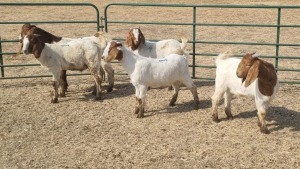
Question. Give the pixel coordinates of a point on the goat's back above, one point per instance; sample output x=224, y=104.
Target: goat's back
x=158, y=49
x=162, y=71
x=74, y=54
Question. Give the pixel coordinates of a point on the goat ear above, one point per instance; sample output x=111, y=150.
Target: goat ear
x=267, y=72
x=142, y=38
x=128, y=41
x=252, y=73
x=254, y=54
x=119, y=55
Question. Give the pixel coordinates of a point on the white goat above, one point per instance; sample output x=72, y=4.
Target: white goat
x=137, y=43
x=248, y=76
x=148, y=72
x=77, y=54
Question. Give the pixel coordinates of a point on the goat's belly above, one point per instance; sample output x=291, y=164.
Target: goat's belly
x=72, y=66
x=160, y=82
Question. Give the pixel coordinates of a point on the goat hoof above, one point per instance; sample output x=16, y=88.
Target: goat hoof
x=109, y=89
x=140, y=115
x=197, y=105
x=136, y=111
x=265, y=130
x=215, y=119
x=230, y=117
x=62, y=95
x=98, y=98
x=55, y=100
x=172, y=104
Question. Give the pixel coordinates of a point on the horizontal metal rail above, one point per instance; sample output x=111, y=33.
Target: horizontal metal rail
x=55, y=4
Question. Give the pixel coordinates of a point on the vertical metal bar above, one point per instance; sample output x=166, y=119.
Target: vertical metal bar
x=101, y=23
x=278, y=37
x=1, y=59
x=105, y=17
x=194, y=39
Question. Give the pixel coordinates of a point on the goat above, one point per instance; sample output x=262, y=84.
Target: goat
x=101, y=38
x=148, y=72
x=78, y=54
x=137, y=43
x=248, y=76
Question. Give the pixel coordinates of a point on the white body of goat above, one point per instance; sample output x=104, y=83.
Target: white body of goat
x=73, y=55
x=101, y=38
x=148, y=72
x=227, y=84
x=160, y=48
x=136, y=41
x=78, y=54
x=155, y=72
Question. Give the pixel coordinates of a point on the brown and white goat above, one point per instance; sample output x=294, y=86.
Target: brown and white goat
x=248, y=76
x=148, y=72
x=77, y=54
x=101, y=38
x=136, y=42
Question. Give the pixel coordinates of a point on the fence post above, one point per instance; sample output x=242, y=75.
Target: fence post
x=1, y=59
x=194, y=39
x=278, y=38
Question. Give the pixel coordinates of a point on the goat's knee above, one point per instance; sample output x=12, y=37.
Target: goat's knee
x=215, y=101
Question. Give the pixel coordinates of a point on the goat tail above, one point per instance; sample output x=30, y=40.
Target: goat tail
x=184, y=42
x=223, y=56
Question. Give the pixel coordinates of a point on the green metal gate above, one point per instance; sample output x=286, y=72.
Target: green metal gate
x=197, y=24
x=197, y=21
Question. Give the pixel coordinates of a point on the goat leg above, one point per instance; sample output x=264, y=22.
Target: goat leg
x=141, y=109
x=196, y=98
x=64, y=79
x=228, y=113
x=54, y=98
x=215, y=117
x=262, y=123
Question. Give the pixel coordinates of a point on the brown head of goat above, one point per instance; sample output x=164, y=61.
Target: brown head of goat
x=252, y=68
x=134, y=38
x=114, y=51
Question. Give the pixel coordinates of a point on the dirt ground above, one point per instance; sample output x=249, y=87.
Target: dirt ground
x=80, y=132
